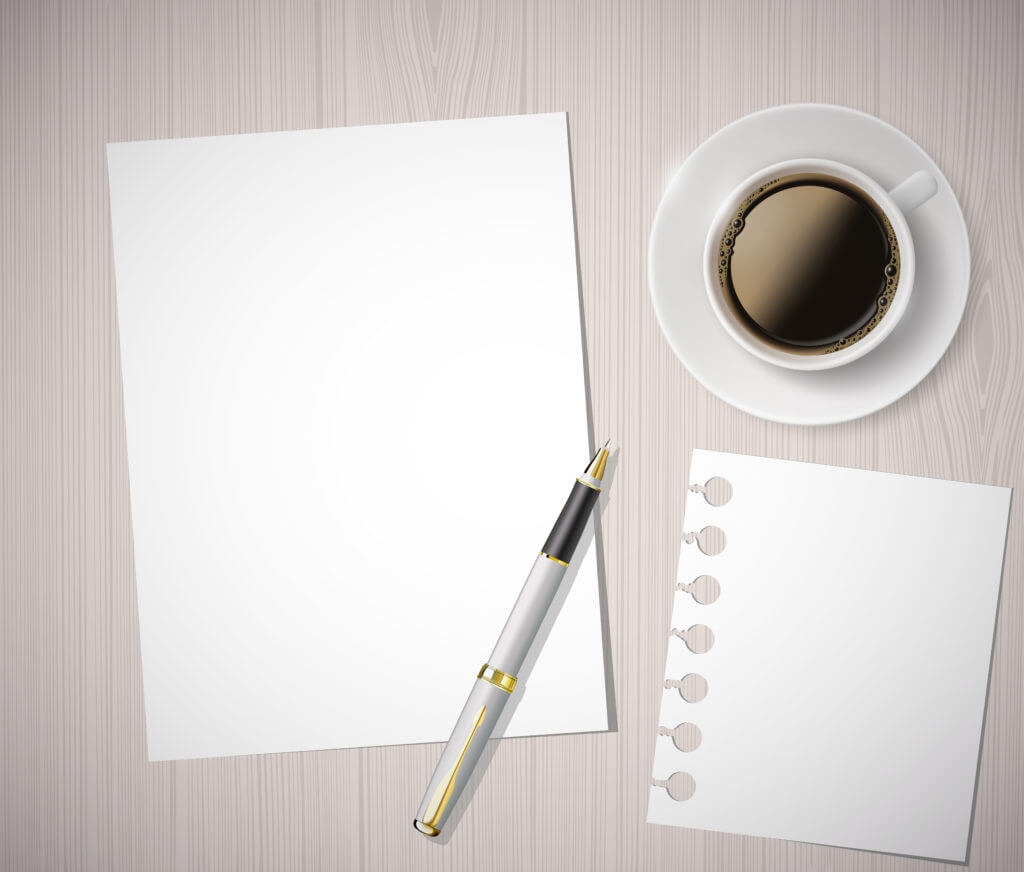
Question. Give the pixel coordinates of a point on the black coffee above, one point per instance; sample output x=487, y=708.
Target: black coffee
x=809, y=263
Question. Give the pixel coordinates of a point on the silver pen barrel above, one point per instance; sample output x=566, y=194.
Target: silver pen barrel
x=497, y=681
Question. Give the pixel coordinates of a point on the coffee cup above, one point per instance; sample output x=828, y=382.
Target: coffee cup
x=809, y=264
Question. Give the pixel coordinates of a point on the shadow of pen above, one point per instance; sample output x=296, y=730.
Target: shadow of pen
x=592, y=534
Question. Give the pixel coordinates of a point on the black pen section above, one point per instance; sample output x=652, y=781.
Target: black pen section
x=568, y=529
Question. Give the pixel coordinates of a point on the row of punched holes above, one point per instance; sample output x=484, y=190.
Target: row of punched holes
x=704, y=589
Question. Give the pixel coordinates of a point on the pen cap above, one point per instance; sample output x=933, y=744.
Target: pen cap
x=459, y=758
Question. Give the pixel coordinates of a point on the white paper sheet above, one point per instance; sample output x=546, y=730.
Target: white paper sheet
x=847, y=682
x=354, y=392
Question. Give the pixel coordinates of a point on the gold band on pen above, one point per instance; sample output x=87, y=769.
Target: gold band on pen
x=549, y=557
x=591, y=485
x=498, y=678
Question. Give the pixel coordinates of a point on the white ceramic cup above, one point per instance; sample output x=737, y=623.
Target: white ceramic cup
x=905, y=197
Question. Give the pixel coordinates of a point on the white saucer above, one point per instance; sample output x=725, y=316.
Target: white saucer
x=806, y=130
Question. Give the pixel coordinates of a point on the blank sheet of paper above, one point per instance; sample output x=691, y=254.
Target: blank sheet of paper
x=354, y=393
x=843, y=697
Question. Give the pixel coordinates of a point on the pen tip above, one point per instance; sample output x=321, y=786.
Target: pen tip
x=595, y=469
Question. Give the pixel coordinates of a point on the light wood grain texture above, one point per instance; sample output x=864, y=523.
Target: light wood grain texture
x=643, y=85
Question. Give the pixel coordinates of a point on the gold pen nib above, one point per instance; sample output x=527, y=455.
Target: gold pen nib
x=597, y=465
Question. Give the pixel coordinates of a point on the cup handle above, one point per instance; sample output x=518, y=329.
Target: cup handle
x=914, y=191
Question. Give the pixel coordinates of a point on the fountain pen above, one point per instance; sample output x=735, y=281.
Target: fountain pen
x=496, y=681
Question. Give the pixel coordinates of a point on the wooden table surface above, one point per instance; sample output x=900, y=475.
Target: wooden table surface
x=644, y=84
